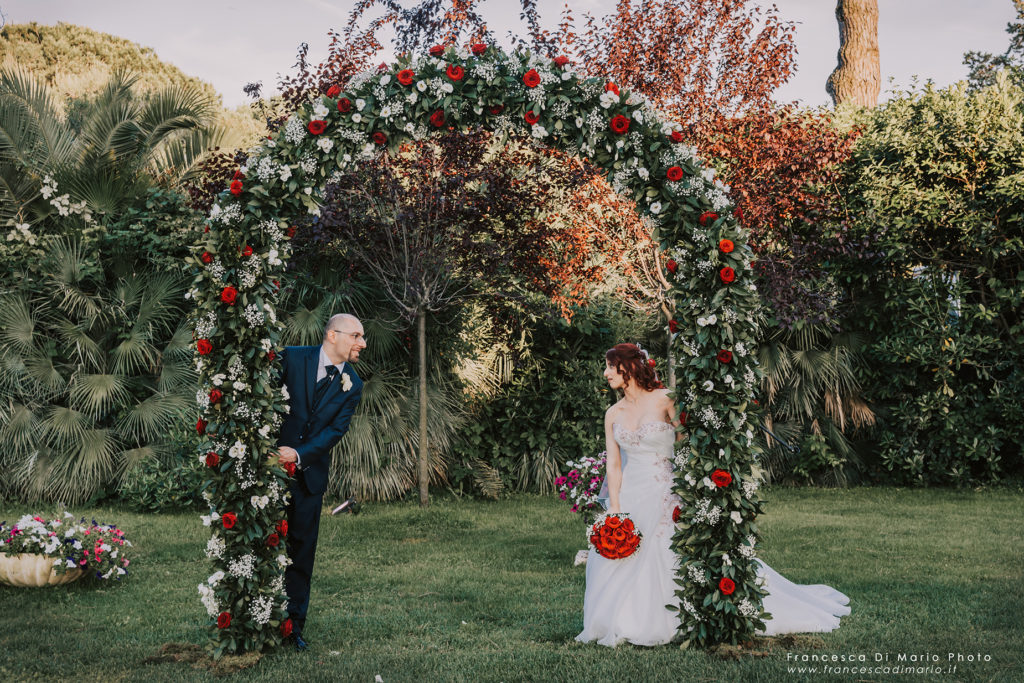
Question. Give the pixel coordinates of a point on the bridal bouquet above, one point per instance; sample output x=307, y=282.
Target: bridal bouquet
x=614, y=536
x=583, y=483
x=99, y=549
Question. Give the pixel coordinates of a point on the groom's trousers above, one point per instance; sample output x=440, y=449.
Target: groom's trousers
x=303, y=528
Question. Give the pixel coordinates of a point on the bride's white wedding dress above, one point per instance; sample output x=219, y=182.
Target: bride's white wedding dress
x=626, y=599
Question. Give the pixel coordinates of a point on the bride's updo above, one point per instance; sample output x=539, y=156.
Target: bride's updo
x=631, y=362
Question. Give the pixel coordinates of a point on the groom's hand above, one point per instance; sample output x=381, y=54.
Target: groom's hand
x=287, y=454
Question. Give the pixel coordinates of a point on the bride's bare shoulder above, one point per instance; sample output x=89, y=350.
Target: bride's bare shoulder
x=613, y=410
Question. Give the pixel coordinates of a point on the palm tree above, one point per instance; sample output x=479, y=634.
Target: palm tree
x=813, y=398
x=92, y=374
x=105, y=151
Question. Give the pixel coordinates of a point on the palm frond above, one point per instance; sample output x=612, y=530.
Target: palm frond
x=97, y=395
x=153, y=418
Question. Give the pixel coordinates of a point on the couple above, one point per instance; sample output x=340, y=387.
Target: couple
x=626, y=599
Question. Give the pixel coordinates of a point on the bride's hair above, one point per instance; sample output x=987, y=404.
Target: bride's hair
x=631, y=362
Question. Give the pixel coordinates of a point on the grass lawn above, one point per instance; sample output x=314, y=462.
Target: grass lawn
x=486, y=591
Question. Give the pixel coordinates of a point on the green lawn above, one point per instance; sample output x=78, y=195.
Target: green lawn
x=486, y=591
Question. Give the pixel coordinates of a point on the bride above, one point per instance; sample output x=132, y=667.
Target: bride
x=626, y=599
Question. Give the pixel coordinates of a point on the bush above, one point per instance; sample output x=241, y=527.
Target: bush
x=937, y=179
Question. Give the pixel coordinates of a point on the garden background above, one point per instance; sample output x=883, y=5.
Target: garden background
x=889, y=251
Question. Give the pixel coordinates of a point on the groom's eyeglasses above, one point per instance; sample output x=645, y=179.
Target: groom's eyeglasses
x=358, y=336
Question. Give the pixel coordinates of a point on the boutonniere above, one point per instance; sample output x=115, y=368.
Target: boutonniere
x=346, y=382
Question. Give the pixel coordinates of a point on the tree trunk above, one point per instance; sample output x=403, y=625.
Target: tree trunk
x=857, y=79
x=424, y=464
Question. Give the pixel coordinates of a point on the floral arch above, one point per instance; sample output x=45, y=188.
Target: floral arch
x=243, y=259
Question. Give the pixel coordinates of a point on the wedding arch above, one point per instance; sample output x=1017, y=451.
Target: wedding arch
x=707, y=265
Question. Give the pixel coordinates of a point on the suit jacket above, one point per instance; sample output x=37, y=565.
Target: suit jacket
x=314, y=433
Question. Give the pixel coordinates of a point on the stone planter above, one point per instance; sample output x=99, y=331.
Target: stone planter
x=33, y=570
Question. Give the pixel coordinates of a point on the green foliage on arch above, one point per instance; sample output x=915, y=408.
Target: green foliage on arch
x=243, y=260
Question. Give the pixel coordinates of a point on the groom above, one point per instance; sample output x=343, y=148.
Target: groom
x=323, y=391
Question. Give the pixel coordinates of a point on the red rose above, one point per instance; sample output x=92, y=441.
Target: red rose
x=215, y=396
x=380, y=138
x=611, y=87
x=282, y=527
x=406, y=76
x=273, y=540
x=229, y=519
x=676, y=136
x=531, y=117
x=496, y=109
x=478, y=48
x=383, y=66
x=672, y=266
x=531, y=78
x=725, y=356
x=708, y=217
x=727, y=274
x=674, y=173
x=224, y=620
x=228, y=295
x=561, y=60
x=620, y=124
x=673, y=326
x=236, y=187
x=203, y=346
x=247, y=251
x=292, y=230
x=207, y=257
x=651, y=363
x=271, y=355
x=725, y=246
x=289, y=467
x=212, y=459
x=206, y=228
x=344, y=105
x=201, y=426
x=316, y=126
x=455, y=72
x=675, y=514
x=682, y=417
x=738, y=213
x=437, y=118
x=721, y=478
x=333, y=91
x=726, y=585
x=286, y=628
x=437, y=51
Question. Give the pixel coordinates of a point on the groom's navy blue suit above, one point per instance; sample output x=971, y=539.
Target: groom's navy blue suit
x=312, y=428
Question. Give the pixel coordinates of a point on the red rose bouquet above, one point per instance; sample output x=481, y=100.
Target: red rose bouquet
x=614, y=536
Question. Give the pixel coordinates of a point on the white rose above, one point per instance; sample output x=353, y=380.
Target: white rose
x=656, y=208
x=356, y=118
x=360, y=104
x=736, y=517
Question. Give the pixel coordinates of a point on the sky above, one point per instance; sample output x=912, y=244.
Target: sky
x=233, y=42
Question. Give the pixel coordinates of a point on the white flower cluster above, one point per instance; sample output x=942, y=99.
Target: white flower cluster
x=295, y=130
x=254, y=315
x=709, y=417
x=216, y=270
x=237, y=450
x=259, y=502
x=749, y=488
x=747, y=549
x=697, y=575
x=250, y=272
x=232, y=214
x=215, y=546
x=206, y=325
x=706, y=512
x=746, y=608
x=236, y=369
x=260, y=609
x=63, y=202
x=705, y=321
x=20, y=232
x=209, y=598
x=244, y=412
x=243, y=566
x=681, y=457
x=202, y=399
x=688, y=606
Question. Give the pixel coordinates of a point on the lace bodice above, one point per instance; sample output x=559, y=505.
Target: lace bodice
x=653, y=436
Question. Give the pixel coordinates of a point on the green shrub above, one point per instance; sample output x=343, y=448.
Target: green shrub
x=937, y=181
